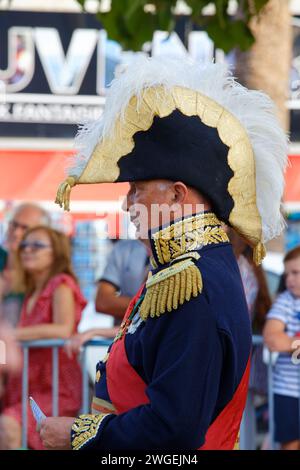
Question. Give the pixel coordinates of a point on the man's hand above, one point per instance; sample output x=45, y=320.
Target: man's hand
x=56, y=433
x=13, y=360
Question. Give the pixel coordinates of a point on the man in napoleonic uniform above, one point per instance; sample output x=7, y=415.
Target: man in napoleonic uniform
x=192, y=139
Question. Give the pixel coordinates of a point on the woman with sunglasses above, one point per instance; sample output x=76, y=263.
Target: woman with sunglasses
x=52, y=309
x=24, y=216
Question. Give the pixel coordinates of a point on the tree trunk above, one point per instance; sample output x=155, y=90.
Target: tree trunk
x=266, y=66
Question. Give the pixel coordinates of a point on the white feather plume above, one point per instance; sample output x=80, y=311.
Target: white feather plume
x=254, y=109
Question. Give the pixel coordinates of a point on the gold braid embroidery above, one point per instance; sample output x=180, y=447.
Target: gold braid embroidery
x=187, y=235
x=85, y=428
x=175, y=246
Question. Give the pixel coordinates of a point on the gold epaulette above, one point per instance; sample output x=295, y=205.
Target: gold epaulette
x=171, y=287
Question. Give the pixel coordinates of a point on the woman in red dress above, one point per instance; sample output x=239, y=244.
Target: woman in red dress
x=52, y=309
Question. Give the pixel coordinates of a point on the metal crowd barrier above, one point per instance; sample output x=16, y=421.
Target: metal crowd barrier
x=55, y=344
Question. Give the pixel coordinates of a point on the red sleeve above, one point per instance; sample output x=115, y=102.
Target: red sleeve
x=68, y=280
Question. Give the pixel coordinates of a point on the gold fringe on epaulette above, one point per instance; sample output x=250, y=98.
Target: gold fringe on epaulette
x=64, y=192
x=170, y=288
x=259, y=252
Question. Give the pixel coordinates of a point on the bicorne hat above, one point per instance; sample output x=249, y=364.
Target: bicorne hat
x=171, y=119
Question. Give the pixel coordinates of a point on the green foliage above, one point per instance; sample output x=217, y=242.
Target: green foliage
x=132, y=23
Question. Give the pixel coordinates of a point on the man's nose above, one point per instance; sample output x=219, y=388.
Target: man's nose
x=127, y=203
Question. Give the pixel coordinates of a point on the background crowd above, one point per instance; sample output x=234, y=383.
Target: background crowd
x=40, y=298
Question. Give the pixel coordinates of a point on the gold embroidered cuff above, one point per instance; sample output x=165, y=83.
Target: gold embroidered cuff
x=85, y=429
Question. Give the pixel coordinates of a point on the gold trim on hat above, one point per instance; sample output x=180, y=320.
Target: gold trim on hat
x=159, y=101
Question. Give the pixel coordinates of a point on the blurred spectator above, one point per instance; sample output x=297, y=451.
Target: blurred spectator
x=10, y=356
x=281, y=331
x=254, y=281
x=25, y=216
x=78, y=340
x=3, y=258
x=259, y=302
x=127, y=268
x=52, y=309
x=281, y=285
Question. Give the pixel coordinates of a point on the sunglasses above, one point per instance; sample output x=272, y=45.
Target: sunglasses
x=34, y=246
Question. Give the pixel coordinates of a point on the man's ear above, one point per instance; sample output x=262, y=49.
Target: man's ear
x=180, y=192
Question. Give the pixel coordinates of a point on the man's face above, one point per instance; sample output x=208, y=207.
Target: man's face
x=23, y=219
x=149, y=204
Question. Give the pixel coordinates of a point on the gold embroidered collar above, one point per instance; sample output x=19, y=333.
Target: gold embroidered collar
x=187, y=235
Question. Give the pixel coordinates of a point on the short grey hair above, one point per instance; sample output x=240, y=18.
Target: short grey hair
x=45, y=218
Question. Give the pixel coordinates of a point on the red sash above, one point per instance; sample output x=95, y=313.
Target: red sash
x=127, y=390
